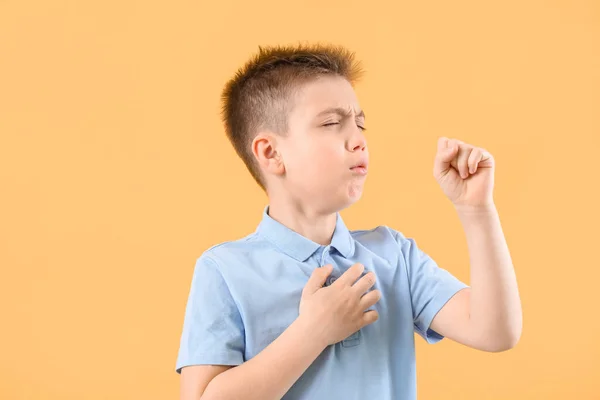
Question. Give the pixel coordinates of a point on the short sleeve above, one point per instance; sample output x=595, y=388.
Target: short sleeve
x=213, y=332
x=430, y=287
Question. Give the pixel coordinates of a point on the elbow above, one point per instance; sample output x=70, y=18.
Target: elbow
x=504, y=345
x=499, y=335
x=505, y=341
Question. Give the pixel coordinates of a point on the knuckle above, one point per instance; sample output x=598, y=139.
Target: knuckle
x=370, y=278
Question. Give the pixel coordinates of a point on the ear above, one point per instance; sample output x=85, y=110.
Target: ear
x=264, y=148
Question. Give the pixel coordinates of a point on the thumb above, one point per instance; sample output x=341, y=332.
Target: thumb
x=444, y=159
x=447, y=154
x=318, y=278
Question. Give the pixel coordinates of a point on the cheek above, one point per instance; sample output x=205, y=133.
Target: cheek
x=315, y=159
x=325, y=161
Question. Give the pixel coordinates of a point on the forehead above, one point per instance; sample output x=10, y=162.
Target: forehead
x=323, y=93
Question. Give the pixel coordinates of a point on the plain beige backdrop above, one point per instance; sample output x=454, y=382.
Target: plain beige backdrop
x=115, y=175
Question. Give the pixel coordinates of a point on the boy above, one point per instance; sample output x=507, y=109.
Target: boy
x=303, y=308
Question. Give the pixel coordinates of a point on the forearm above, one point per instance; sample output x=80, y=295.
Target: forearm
x=495, y=310
x=271, y=373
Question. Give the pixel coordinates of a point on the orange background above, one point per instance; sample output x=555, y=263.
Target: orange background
x=115, y=175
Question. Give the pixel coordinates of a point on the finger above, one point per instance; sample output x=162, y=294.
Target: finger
x=370, y=299
x=462, y=160
x=444, y=158
x=317, y=278
x=487, y=160
x=474, y=159
x=350, y=276
x=369, y=317
x=453, y=144
x=442, y=143
x=365, y=283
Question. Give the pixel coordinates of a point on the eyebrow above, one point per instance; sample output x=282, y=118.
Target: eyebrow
x=341, y=111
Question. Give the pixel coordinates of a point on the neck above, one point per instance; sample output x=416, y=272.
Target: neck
x=307, y=222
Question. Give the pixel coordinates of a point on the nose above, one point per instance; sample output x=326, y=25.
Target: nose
x=358, y=142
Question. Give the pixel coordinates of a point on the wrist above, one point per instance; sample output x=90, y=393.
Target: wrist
x=483, y=209
x=477, y=219
x=311, y=331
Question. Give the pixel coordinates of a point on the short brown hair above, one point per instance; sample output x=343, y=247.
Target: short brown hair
x=258, y=96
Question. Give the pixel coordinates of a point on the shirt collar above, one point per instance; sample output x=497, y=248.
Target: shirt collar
x=298, y=246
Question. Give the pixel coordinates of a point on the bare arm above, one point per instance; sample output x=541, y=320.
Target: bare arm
x=269, y=375
x=488, y=315
x=195, y=378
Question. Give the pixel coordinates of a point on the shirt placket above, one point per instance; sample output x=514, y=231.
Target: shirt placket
x=354, y=339
x=326, y=259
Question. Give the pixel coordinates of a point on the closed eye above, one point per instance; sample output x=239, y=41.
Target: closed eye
x=362, y=128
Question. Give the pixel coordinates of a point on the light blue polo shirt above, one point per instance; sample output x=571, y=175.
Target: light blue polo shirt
x=245, y=293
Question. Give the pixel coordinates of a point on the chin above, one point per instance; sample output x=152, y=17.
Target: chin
x=354, y=194
x=355, y=191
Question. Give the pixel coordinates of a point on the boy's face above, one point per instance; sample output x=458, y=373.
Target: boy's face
x=325, y=154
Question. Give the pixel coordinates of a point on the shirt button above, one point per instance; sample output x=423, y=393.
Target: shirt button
x=331, y=279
